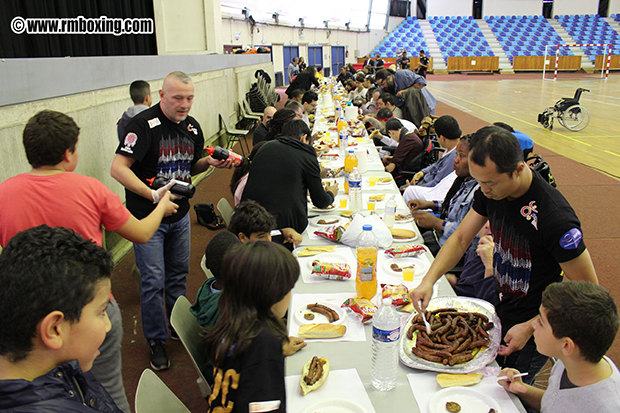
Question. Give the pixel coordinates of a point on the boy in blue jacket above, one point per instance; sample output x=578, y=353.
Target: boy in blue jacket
x=53, y=300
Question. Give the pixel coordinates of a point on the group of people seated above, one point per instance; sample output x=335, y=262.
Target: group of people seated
x=498, y=230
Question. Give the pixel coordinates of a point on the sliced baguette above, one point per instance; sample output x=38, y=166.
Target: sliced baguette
x=400, y=233
x=322, y=330
x=451, y=380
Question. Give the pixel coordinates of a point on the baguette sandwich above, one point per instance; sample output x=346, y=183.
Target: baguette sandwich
x=313, y=375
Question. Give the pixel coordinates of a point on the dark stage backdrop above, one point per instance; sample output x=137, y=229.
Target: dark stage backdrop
x=26, y=45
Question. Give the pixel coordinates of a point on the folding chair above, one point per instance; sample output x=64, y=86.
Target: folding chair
x=188, y=329
x=248, y=119
x=226, y=210
x=153, y=396
x=234, y=135
x=248, y=109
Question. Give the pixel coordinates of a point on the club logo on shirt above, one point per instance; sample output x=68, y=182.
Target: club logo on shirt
x=529, y=212
x=130, y=141
x=191, y=128
x=571, y=239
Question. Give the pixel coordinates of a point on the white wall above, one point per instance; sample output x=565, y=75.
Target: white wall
x=512, y=7
x=561, y=7
x=97, y=112
x=449, y=8
x=614, y=7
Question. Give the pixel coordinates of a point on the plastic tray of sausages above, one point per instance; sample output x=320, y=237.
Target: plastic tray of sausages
x=463, y=304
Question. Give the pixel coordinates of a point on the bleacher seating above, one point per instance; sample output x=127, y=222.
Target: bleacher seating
x=591, y=29
x=407, y=35
x=459, y=36
x=525, y=35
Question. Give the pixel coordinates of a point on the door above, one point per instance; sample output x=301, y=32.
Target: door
x=315, y=55
x=337, y=59
x=289, y=53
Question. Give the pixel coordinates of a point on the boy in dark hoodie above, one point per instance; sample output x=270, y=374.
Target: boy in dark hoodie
x=140, y=92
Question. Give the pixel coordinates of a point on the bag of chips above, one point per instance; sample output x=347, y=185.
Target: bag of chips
x=398, y=293
x=364, y=308
x=333, y=233
x=331, y=270
x=408, y=250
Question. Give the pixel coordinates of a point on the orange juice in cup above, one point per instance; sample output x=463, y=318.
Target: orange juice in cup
x=372, y=181
x=371, y=204
x=343, y=202
x=408, y=274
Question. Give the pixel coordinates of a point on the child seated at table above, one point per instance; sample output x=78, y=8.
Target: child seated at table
x=251, y=222
x=576, y=325
x=245, y=345
x=55, y=290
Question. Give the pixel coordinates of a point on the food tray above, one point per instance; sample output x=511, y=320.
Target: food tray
x=462, y=303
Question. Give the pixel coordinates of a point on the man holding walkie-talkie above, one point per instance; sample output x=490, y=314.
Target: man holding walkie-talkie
x=162, y=141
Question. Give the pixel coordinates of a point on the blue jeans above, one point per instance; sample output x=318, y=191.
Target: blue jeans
x=164, y=264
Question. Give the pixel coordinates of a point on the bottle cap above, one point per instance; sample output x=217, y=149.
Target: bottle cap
x=350, y=150
x=367, y=227
x=387, y=301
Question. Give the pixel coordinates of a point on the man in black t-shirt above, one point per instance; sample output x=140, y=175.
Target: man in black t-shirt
x=537, y=237
x=162, y=141
x=422, y=65
x=379, y=63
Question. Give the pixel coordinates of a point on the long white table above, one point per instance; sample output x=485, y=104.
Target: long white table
x=357, y=354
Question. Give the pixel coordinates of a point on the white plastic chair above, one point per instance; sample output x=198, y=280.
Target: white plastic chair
x=153, y=396
x=225, y=209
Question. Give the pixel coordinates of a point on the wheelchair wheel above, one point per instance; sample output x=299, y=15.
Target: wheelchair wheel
x=575, y=118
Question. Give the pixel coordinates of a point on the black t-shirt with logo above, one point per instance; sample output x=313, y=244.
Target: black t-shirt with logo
x=532, y=235
x=253, y=381
x=161, y=148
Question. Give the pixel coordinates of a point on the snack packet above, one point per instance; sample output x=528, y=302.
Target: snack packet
x=333, y=233
x=331, y=270
x=407, y=250
x=364, y=308
x=398, y=293
x=335, y=173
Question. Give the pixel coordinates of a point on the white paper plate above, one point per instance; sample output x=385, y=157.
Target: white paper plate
x=335, y=406
x=384, y=183
x=421, y=265
x=315, y=221
x=471, y=401
x=410, y=219
x=318, y=317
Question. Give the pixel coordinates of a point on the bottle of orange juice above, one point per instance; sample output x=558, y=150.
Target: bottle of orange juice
x=350, y=162
x=367, y=248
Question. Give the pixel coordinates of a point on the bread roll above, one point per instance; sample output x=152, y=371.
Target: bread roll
x=451, y=380
x=400, y=233
x=377, y=198
x=347, y=213
x=321, y=330
x=305, y=387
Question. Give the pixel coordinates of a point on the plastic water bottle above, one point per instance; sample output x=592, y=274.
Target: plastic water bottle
x=355, y=190
x=385, y=335
x=390, y=212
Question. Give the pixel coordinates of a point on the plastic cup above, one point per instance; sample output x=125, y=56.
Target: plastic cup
x=372, y=180
x=371, y=204
x=343, y=202
x=408, y=274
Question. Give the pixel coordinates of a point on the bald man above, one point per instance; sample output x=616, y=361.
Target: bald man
x=261, y=130
x=163, y=141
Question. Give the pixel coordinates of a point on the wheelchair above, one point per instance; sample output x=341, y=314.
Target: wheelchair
x=568, y=112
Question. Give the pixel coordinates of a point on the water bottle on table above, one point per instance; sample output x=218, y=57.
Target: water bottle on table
x=355, y=190
x=385, y=335
x=390, y=212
